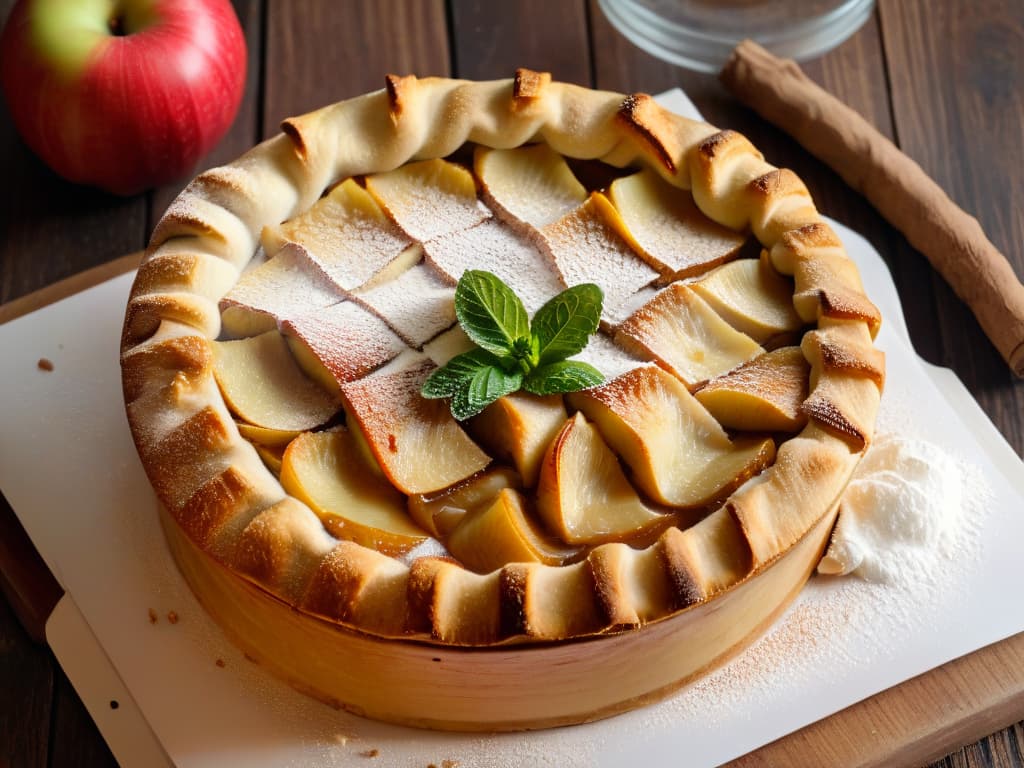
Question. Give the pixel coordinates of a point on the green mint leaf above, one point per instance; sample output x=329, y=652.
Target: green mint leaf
x=562, y=376
x=486, y=385
x=563, y=325
x=456, y=374
x=490, y=313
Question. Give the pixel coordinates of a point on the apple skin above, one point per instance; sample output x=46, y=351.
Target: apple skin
x=129, y=110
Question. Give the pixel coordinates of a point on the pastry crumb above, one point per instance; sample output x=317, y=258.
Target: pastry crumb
x=45, y=364
x=370, y=753
x=153, y=618
x=220, y=663
x=172, y=616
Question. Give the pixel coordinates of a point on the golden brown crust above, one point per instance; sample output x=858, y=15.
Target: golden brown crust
x=214, y=485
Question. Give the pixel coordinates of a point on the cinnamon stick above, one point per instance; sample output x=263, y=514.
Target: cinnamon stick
x=951, y=239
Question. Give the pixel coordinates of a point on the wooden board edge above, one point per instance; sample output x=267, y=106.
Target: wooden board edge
x=68, y=287
x=916, y=722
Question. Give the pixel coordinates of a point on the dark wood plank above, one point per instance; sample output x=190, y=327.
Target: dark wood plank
x=27, y=673
x=319, y=52
x=76, y=743
x=490, y=40
x=244, y=131
x=957, y=79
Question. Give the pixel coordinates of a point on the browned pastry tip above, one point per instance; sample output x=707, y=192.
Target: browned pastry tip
x=951, y=239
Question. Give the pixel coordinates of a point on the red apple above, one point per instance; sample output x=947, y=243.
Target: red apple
x=122, y=94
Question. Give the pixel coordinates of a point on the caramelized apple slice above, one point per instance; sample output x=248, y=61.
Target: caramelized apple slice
x=518, y=428
x=763, y=395
x=346, y=232
x=531, y=184
x=272, y=457
x=288, y=285
x=417, y=443
x=679, y=455
x=510, y=255
x=271, y=438
x=752, y=297
x=664, y=225
x=327, y=472
x=587, y=249
x=340, y=343
x=262, y=384
x=439, y=513
x=583, y=494
x=417, y=304
x=503, y=533
x=684, y=335
x=429, y=198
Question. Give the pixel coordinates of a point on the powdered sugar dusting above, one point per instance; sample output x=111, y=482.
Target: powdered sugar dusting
x=348, y=340
x=360, y=250
x=417, y=304
x=286, y=286
x=609, y=358
x=587, y=250
x=498, y=248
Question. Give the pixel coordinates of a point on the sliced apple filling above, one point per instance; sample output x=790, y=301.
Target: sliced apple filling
x=288, y=285
x=531, y=185
x=753, y=298
x=679, y=331
x=665, y=227
x=262, y=385
x=346, y=233
x=587, y=249
x=366, y=274
x=679, y=455
x=429, y=198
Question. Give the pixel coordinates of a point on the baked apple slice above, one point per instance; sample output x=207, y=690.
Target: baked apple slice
x=587, y=249
x=264, y=386
x=503, y=533
x=429, y=198
x=663, y=225
x=418, y=304
x=509, y=254
x=440, y=512
x=345, y=232
x=752, y=297
x=327, y=471
x=417, y=443
x=763, y=395
x=271, y=438
x=340, y=343
x=583, y=494
x=288, y=285
x=679, y=455
x=685, y=336
x=531, y=184
x=518, y=428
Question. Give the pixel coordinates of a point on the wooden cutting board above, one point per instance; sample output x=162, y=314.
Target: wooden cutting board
x=911, y=724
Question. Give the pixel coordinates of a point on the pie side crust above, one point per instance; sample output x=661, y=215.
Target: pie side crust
x=260, y=559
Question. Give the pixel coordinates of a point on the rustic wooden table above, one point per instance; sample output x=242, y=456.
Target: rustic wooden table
x=943, y=78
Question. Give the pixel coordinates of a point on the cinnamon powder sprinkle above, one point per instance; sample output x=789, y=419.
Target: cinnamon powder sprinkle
x=45, y=364
x=172, y=617
x=370, y=753
x=220, y=663
x=153, y=618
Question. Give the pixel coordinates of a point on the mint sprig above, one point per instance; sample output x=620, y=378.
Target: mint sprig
x=513, y=353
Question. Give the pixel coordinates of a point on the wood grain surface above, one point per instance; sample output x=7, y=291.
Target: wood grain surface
x=943, y=78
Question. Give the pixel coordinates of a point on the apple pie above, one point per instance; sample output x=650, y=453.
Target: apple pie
x=557, y=556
